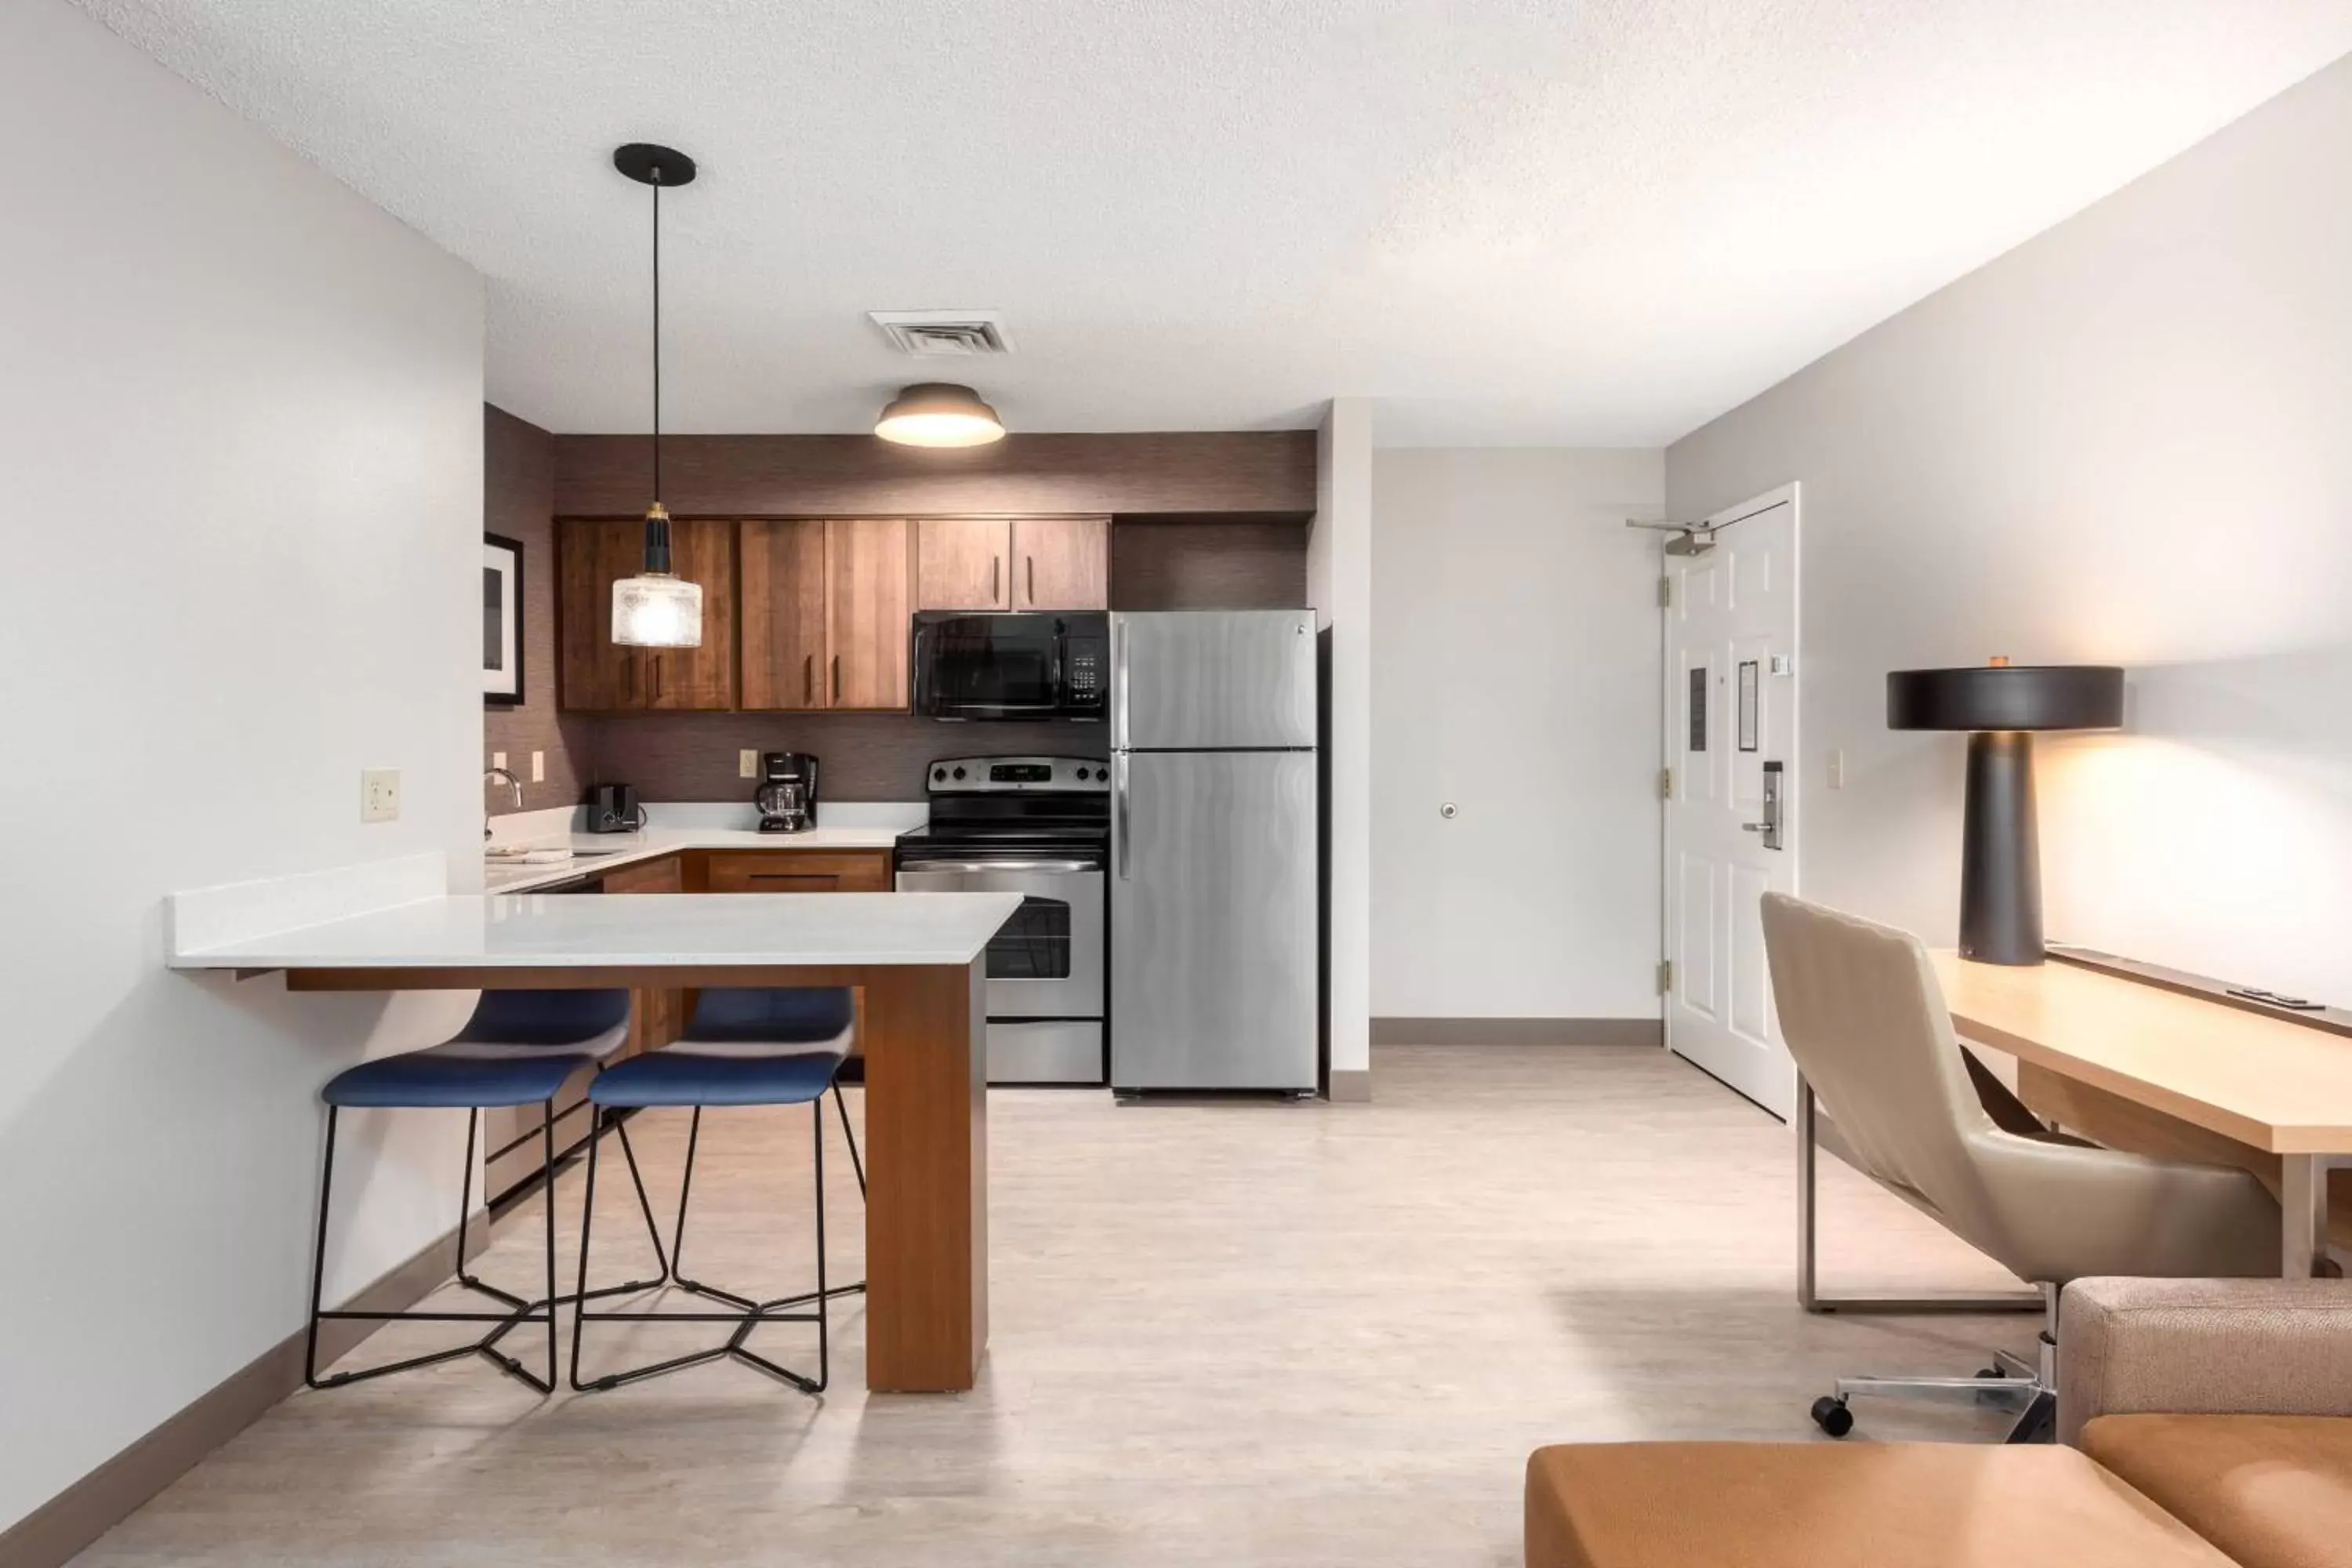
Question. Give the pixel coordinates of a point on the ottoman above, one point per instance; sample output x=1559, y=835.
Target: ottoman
x=2274, y=1491
x=1874, y=1505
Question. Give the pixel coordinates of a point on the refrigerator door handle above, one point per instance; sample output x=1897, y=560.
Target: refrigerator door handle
x=1118, y=695
x=1118, y=809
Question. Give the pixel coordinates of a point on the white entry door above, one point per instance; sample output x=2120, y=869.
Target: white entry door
x=1731, y=742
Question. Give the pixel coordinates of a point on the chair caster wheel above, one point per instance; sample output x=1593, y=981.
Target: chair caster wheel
x=1832, y=1416
x=1990, y=1371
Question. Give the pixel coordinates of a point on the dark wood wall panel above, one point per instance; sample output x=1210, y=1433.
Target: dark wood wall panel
x=860, y=756
x=1202, y=564
x=1203, y=473
x=519, y=501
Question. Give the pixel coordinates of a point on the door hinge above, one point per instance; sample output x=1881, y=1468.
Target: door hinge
x=1665, y=977
x=1665, y=593
x=1665, y=784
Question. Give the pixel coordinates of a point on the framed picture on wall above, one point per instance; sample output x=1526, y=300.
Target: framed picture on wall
x=502, y=620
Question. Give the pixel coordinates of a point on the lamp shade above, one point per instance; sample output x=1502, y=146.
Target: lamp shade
x=654, y=609
x=2007, y=697
x=939, y=414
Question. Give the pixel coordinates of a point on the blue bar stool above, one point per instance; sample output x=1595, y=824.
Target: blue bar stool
x=518, y=1046
x=744, y=1047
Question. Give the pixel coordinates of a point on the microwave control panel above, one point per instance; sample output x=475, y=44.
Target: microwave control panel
x=1083, y=673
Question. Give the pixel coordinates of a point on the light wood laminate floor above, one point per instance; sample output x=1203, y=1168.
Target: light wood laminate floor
x=1227, y=1333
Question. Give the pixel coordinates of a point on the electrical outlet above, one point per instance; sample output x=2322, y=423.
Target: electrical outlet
x=539, y=767
x=380, y=795
x=498, y=759
x=746, y=764
x=1837, y=770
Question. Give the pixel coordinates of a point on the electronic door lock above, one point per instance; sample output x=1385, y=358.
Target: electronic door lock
x=1771, y=827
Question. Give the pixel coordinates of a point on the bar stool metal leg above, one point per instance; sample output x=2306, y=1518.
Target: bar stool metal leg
x=748, y=1314
x=486, y=1347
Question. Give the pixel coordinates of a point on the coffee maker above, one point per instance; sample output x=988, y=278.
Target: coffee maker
x=787, y=796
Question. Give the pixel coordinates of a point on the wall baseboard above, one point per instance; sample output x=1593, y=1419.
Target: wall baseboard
x=1351, y=1085
x=53, y=1532
x=1517, y=1032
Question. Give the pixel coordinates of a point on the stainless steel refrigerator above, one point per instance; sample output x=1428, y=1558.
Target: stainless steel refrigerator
x=1213, y=921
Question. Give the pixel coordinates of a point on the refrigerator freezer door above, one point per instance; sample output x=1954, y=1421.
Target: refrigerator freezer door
x=1213, y=921
x=1204, y=681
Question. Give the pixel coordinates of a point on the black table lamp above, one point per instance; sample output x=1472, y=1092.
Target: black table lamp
x=2000, y=705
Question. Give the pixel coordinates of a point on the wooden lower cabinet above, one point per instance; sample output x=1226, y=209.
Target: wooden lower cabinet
x=796, y=871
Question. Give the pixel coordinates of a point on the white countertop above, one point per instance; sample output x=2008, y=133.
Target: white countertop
x=596, y=853
x=474, y=931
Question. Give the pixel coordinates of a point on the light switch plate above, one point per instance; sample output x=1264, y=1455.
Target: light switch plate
x=1837, y=770
x=746, y=764
x=498, y=759
x=380, y=795
x=539, y=767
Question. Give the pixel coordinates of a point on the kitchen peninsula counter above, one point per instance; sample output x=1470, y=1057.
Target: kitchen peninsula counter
x=918, y=958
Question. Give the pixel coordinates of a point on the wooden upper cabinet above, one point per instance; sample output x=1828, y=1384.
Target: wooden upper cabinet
x=963, y=563
x=870, y=563
x=1061, y=562
x=596, y=675
x=825, y=605
x=590, y=557
x=697, y=678
x=1013, y=563
x=786, y=595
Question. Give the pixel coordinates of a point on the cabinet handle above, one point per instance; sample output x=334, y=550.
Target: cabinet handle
x=1030, y=563
x=808, y=679
x=995, y=578
x=836, y=680
x=656, y=677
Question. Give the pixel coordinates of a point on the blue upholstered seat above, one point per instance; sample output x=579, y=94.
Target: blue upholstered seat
x=460, y=1074
x=518, y=1047
x=744, y=1047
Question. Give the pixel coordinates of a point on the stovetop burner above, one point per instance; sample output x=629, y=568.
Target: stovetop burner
x=1009, y=808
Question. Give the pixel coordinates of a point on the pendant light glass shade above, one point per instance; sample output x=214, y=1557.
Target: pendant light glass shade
x=940, y=414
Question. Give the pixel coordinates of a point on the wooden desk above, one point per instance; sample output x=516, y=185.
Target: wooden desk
x=2275, y=1086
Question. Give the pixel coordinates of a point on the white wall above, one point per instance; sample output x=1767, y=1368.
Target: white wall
x=1339, y=587
x=1515, y=674
x=240, y=422
x=2125, y=441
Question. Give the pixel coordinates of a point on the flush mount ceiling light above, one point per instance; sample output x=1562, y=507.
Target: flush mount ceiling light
x=939, y=414
x=656, y=609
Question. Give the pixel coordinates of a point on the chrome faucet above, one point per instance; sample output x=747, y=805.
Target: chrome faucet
x=512, y=782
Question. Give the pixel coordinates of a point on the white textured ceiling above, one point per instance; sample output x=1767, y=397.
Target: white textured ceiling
x=1512, y=221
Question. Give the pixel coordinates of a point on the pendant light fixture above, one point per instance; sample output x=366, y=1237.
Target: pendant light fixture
x=939, y=414
x=656, y=609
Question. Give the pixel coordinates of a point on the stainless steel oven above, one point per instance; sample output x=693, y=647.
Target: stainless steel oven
x=1038, y=827
x=1023, y=664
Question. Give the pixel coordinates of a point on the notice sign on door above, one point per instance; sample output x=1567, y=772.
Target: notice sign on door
x=1748, y=705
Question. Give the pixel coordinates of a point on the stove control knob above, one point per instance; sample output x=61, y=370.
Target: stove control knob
x=1082, y=776
x=939, y=774
x=959, y=772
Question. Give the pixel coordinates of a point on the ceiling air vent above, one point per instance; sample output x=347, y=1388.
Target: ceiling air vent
x=944, y=334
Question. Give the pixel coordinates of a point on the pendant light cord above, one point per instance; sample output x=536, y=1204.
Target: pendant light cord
x=657, y=487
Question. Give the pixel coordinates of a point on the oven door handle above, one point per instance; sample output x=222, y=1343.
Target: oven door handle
x=978, y=866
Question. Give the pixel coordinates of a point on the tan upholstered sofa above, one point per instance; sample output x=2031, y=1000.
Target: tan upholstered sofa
x=2205, y=1423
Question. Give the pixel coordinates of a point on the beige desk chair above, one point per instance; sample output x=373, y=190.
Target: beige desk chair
x=1866, y=1022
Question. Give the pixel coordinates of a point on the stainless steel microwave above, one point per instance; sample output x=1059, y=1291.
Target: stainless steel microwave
x=1023, y=664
